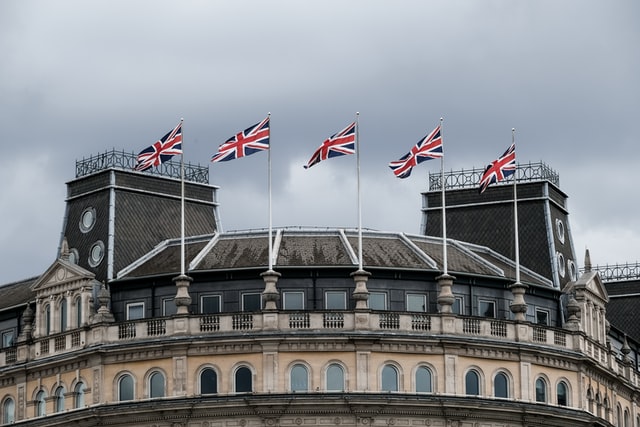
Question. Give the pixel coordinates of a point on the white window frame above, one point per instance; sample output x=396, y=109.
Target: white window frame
x=285, y=294
x=165, y=302
x=425, y=302
x=487, y=301
x=344, y=299
x=251, y=294
x=202, y=298
x=131, y=305
x=385, y=299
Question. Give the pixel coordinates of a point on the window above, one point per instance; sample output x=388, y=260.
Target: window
x=96, y=253
x=423, y=380
x=169, y=307
x=135, y=311
x=542, y=317
x=293, y=300
x=251, y=302
x=389, y=378
x=78, y=307
x=487, y=308
x=501, y=385
x=457, y=307
x=335, y=378
x=377, y=301
x=125, y=388
x=416, y=302
x=87, y=219
x=7, y=338
x=156, y=385
x=63, y=315
x=41, y=406
x=60, y=399
x=47, y=319
x=8, y=411
x=299, y=378
x=541, y=390
x=472, y=383
x=244, y=380
x=79, y=395
x=335, y=300
x=210, y=304
x=208, y=381
x=561, y=394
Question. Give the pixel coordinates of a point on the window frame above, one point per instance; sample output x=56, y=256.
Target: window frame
x=286, y=294
x=121, y=392
x=152, y=385
x=385, y=305
x=212, y=296
x=135, y=304
x=332, y=380
x=342, y=294
x=169, y=302
x=299, y=383
x=384, y=379
x=244, y=302
x=482, y=313
x=546, y=314
x=215, y=382
x=425, y=302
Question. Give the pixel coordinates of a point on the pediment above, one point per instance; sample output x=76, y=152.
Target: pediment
x=590, y=282
x=61, y=273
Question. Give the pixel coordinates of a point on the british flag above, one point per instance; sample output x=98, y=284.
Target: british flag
x=339, y=144
x=499, y=169
x=429, y=147
x=161, y=150
x=251, y=140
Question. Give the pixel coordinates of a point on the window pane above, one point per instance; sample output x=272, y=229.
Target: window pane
x=423, y=380
x=210, y=304
x=63, y=315
x=135, y=311
x=336, y=300
x=8, y=411
x=251, y=302
x=457, y=306
x=416, y=302
x=156, y=385
x=541, y=390
x=542, y=317
x=389, y=378
x=501, y=385
x=244, y=380
x=472, y=383
x=79, y=398
x=335, y=378
x=299, y=378
x=169, y=307
x=378, y=301
x=7, y=339
x=40, y=404
x=293, y=300
x=208, y=381
x=60, y=399
x=562, y=394
x=78, y=305
x=487, y=309
x=125, y=388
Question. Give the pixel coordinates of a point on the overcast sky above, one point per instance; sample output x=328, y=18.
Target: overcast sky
x=78, y=78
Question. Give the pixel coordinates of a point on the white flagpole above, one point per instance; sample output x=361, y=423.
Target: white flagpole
x=182, y=262
x=444, y=210
x=360, y=268
x=515, y=212
x=270, y=216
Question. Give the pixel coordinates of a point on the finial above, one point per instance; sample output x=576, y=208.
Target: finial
x=587, y=261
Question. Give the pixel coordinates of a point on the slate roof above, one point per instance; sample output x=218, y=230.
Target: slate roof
x=17, y=293
x=622, y=309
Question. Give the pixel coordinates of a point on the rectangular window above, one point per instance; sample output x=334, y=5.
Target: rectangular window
x=335, y=300
x=135, y=310
x=293, y=300
x=542, y=317
x=457, y=307
x=417, y=302
x=251, y=302
x=210, y=304
x=487, y=308
x=7, y=338
x=169, y=307
x=377, y=300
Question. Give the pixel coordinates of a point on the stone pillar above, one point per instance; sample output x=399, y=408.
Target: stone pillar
x=519, y=306
x=271, y=297
x=445, y=295
x=361, y=293
x=182, y=299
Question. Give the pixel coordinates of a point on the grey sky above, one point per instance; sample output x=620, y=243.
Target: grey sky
x=78, y=78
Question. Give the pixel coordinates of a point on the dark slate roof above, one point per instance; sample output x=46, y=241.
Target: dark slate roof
x=622, y=309
x=17, y=293
x=325, y=248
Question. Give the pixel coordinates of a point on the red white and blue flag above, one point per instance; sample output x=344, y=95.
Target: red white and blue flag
x=251, y=140
x=499, y=169
x=429, y=147
x=161, y=150
x=339, y=144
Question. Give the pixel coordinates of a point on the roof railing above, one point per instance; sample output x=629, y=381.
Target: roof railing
x=615, y=272
x=470, y=178
x=127, y=161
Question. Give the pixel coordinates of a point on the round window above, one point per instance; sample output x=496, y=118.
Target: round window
x=73, y=256
x=87, y=219
x=560, y=230
x=96, y=253
x=573, y=270
x=561, y=267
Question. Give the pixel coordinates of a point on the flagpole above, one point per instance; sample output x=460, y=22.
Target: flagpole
x=360, y=268
x=515, y=211
x=444, y=211
x=182, y=262
x=269, y=184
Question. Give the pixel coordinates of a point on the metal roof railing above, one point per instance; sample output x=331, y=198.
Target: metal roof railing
x=614, y=272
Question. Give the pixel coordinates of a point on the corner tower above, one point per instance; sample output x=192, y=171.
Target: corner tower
x=545, y=241
x=114, y=215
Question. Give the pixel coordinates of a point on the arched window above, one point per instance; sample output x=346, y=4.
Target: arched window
x=78, y=306
x=59, y=395
x=423, y=380
x=63, y=315
x=561, y=394
x=156, y=385
x=626, y=418
x=590, y=399
x=335, y=378
x=541, y=390
x=41, y=405
x=79, y=395
x=47, y=319
x=125, y=388
x=619, y=416
x=8, y=411
x=389, y=378
x=299, y=378
x=244, y=380
x=472, y=383
x=501, y=385
x=208, y=381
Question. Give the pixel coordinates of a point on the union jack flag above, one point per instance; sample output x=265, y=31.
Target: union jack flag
x=499, y=169
x=251, y=140
x=339, y=144
x=429, y=147
x=161, y=150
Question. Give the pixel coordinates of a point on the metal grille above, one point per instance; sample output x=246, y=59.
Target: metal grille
x=614, y=272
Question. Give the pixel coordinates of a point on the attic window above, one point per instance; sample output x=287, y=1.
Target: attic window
x=87, y=220
x=561, y=266
x=96, y=253
x=560, y=230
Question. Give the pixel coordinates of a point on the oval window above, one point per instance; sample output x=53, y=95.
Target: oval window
x=560, y=230
x=561, y=265
x=96, y=253
x=87, y=219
